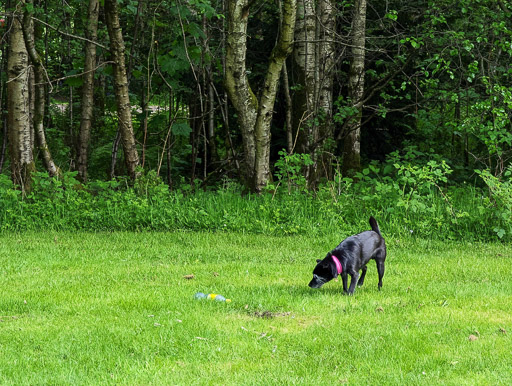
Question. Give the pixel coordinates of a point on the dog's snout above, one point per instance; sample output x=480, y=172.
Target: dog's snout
x=315, y=283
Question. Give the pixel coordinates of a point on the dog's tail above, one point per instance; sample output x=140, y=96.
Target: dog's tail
x=374, y=225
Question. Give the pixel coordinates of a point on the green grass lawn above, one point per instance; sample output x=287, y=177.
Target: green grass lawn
x=115, y=308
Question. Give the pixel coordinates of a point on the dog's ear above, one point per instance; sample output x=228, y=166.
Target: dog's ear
x=325, y=261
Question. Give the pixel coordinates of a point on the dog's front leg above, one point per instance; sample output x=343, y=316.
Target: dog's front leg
x=344, y=278
x=353, y=282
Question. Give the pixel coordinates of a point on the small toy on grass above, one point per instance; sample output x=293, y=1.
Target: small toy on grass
x=216, y=297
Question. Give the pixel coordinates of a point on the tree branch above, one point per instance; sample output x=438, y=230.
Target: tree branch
x=70, y=35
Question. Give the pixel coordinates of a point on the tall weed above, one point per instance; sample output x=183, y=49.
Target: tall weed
x=499, y=201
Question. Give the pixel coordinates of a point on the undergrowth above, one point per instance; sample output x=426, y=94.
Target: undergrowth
x=408, y=201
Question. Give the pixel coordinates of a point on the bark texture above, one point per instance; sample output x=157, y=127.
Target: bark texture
x=313, y=62
x=254, y=116
x=352, y=141
x=18, y=106
x=39, y=95
x=304, y=63
x=88, y=89
x=237, y=83
x=117, y=49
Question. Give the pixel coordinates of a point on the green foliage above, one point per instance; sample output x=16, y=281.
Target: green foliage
x=290, y=171
x=499, y=200
x=437, y=77
x=344, y=110
x=490, y=121
x=410, y=200
x=414, y=197
x=418, y=181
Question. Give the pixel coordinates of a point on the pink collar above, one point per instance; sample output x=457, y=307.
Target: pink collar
x=338, y=264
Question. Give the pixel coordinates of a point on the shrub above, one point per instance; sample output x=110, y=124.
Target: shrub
x=499, y=201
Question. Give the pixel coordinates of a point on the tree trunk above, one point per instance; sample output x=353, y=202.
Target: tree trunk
x=324, y=102
x=39, y=94
x=113, y=154
x=237, y=83
x=88, y=89
x=313, y=64
x=352, y=141
x=212, y=146
x=210, y=150
x=3, y=106
x=279, y=54
x=254, y=116
x=289, y=110
x=304, y=62
x=117, y=48
x=18, y=106
x=196, y=122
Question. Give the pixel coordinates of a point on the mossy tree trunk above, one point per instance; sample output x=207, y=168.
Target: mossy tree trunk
x=255, y=114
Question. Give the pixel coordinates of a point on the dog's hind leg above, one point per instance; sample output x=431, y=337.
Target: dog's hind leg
x=363, y=274
x=380, y=270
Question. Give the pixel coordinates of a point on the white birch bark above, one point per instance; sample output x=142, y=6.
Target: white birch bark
x=237, y=83
x=39, y=95
x=305, y=60
x=18, y=106
x=326, y=63
x=314, y=63
x=352, y=141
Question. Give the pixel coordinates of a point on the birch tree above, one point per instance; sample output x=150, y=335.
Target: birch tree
x=304, y=62
x=39, y=94
x=18, y=105
x=124, y=114
x=255, y=113
x=313, y=61
x=88, y=89
x=352, y=140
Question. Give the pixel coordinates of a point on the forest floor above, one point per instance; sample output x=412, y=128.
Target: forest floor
x=89, y=308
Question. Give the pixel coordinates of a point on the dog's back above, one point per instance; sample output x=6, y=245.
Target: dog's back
x=366, y=241
x=361, y=245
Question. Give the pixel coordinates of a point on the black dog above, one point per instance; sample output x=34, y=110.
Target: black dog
x=351, y=256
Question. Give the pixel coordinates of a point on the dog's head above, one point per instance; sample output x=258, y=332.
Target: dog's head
x=324, y=272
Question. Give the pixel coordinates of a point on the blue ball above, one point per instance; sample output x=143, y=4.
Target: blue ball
x=200, y=295
x=220, y=298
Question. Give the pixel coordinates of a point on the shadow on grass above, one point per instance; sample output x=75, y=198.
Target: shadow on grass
x=302, y=290
x=334, y=289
